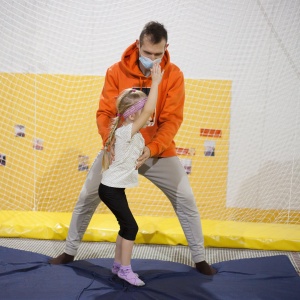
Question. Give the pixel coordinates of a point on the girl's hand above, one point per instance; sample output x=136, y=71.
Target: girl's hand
x=156, y=73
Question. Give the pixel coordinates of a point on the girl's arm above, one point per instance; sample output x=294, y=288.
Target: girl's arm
x=150, y=104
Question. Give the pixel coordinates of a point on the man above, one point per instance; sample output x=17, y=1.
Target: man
x=159, y=162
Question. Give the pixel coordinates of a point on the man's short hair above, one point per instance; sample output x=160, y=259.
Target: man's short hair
x=155, y=31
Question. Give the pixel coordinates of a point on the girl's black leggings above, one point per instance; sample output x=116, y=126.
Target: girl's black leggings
x=115, y=199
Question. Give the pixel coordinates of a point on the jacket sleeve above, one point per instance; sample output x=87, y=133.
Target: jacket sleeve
x=107, y=104
x=171, y=114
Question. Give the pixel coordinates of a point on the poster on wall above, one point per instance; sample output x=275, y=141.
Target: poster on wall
x=2, y=159
x=185, y=151
x=187, y=164
x=209, y=148
x=38, y=144
x=215, y=133
x=83, y=163
x=19, y=130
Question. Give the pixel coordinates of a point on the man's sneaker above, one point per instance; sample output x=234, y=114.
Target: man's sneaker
x=61, y=259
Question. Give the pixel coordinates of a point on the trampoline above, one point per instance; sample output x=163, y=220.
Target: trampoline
x=28, y=275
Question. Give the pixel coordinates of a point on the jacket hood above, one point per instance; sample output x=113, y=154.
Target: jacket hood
x=130, y=61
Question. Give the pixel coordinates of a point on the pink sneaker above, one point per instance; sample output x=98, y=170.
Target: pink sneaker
x=116, y=267
x=126, y=274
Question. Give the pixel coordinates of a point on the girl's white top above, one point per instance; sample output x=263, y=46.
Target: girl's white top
x=122, y=173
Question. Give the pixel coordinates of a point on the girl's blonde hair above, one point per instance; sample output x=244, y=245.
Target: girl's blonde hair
x=124, y=101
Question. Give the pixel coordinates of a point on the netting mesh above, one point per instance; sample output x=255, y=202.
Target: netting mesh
x=239, y=142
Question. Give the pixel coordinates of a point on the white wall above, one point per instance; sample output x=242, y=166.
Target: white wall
x=254, y=43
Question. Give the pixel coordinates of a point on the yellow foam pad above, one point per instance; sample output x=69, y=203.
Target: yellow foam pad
x=153, y=230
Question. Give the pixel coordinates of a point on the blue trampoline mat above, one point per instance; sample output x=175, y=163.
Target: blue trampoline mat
x=28, y=276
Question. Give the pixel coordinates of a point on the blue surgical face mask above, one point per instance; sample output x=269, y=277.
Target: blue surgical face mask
x=147, y=62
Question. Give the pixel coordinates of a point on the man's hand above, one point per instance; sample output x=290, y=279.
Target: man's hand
x=143, y=157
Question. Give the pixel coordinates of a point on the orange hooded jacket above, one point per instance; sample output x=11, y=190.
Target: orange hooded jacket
x=168, y=115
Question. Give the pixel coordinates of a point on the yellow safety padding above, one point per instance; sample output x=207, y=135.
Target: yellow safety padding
x=263, y=236
x=153, y=230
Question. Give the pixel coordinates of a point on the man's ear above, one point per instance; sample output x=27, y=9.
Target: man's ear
x=137, y=42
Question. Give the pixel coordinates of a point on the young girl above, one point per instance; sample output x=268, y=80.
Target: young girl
x=135, y=109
